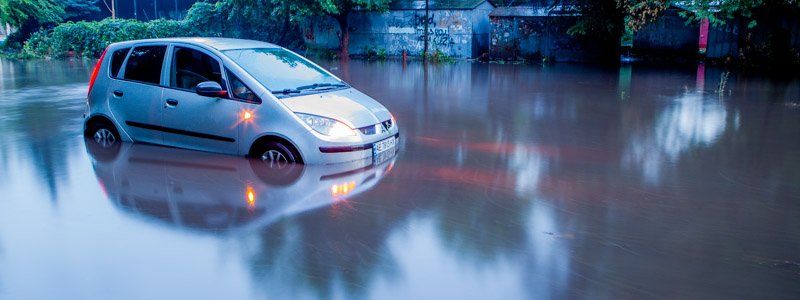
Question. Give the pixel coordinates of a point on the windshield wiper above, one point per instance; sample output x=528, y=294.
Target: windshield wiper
x=287, y=91
x=315, y=86
x=320, y=85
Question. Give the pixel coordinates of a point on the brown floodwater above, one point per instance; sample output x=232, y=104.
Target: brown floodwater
x=511, y=181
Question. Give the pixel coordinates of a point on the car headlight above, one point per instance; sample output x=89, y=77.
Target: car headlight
x=327, y=126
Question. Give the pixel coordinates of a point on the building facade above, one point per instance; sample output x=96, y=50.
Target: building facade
x=537, y=33
x=668, y=35
x=456, y=28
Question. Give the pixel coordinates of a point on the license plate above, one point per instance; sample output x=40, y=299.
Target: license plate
x=384, y=156
x=383, y=146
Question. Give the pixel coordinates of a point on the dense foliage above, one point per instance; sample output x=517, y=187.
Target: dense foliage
x=29, y=16
x=75, y=10
x=640, y=12
x=18, y=12
x=602, y=23
x=275, y=21
x=90, y=38
x=600, y=26
x=222, y=19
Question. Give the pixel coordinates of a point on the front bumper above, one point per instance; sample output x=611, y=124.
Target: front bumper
x=344, y=153
x=352, y=148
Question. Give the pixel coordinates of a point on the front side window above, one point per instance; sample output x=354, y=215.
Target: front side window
x=145, y=63
x=190, y=67
x=241, y=91
x=282, y=71
x=116, y=61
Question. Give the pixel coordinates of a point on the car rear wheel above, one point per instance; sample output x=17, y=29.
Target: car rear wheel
x=104, y=134
x=103, y=141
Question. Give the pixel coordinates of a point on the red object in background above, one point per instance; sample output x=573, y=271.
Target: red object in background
x=703, y=43
x=96, y=70
x=700, y=81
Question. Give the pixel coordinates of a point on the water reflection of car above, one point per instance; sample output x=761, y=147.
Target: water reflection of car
x=219, y=193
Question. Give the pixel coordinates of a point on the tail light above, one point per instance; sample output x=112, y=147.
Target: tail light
x=95, y=71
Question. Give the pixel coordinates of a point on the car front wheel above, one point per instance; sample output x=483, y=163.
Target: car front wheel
x=276, y=155
x=276, y=163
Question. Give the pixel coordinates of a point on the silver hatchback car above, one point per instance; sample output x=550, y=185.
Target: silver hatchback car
x=233, y=96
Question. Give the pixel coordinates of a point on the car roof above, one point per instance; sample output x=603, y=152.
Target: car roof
x=220, y=44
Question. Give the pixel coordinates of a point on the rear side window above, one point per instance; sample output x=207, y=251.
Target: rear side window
x=116, y=61
x=144, y=64
x=190, y=67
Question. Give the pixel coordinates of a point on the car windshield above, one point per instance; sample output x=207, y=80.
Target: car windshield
x=283, y=72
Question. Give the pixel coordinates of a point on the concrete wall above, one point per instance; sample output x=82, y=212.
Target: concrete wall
x=536, y=37
x=456, y=33
x=482, y=29
x=723, y=40
x=669, y=34
x=772, y=36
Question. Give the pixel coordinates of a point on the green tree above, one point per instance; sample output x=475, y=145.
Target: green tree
x=245, y=17
x=19, y=12
x=28, y=16
x=600, y=25
x=339, y=10
x=640, y=12
x=763, y=40
x=75, y=10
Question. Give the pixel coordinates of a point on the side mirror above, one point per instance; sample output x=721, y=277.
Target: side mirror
x=210, y=89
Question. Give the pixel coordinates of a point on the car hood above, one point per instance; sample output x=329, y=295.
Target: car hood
x=350, y=106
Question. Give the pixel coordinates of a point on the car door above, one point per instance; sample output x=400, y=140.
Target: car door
x=194, y=121
x=136, y=92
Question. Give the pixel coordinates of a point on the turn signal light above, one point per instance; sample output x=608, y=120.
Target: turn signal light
x=251, y=198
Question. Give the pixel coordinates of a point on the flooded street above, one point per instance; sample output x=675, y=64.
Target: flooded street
x=511, y=182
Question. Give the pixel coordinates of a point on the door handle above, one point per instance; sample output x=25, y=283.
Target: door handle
x=171, y=103
x=118, y=94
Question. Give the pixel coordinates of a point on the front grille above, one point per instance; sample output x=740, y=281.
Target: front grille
x=367, y=130
x=387, y=124
x=373, y=129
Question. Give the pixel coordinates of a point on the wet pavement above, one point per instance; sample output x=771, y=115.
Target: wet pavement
x=512, y=181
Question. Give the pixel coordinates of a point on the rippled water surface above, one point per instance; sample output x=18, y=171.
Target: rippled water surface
x=512, y=181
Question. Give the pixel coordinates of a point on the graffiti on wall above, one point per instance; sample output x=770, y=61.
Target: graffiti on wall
x=438, y=33
x=399, y=31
